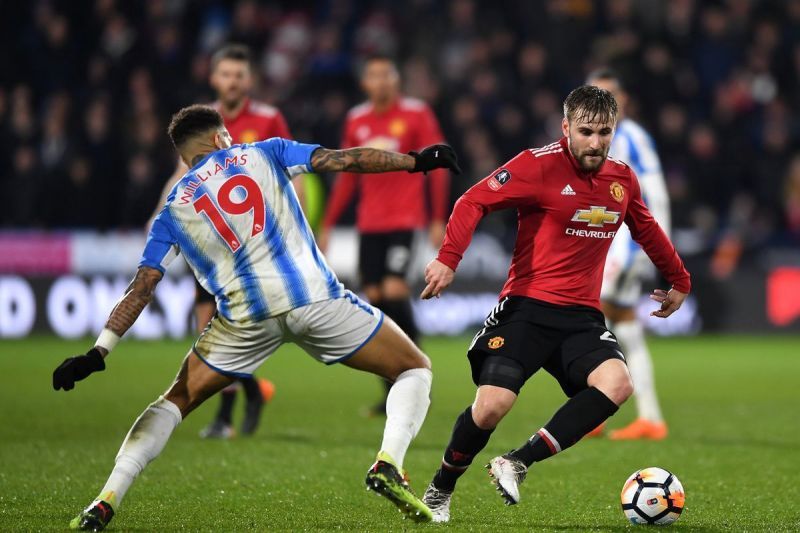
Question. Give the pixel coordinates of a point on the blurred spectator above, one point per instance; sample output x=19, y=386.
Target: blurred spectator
x=792, y=199
x=87, y=87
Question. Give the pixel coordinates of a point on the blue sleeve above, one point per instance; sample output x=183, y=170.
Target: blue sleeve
x=161, y=247
x=295, y=157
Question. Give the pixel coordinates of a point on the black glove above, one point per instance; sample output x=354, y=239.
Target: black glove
x=436, y=156
x=77, y=368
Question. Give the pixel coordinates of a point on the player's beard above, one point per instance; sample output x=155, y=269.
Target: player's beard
x=586, y=161
x=232, y=99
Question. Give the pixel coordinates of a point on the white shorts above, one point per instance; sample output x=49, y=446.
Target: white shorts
x=331, y=331
x=625, y=269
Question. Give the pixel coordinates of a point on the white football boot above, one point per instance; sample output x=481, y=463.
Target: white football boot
x=438, y=501
x=507, y=473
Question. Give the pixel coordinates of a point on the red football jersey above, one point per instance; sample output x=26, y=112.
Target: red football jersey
x=394, y=200
x=567, y=219
x=255, y=122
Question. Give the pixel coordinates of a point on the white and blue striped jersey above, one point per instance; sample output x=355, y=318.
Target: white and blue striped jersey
x=238, y=223
x=634, y=146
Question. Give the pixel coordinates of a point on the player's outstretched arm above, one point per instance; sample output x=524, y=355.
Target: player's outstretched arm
x=140, y=293
x=372, y=160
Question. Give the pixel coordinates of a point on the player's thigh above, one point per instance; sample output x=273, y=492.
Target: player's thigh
x=510, y=348
x=389, y=353
x=350, y=331
x=581, y=353
x=195, y=382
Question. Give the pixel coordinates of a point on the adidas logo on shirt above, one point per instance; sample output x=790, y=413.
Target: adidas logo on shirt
x=567, y=191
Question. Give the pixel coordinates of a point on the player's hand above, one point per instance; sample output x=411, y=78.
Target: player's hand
x=436, y=233
x=670, y=301
x=435, y=156
x=438, y=277
x=323, y=239
x=77, y=368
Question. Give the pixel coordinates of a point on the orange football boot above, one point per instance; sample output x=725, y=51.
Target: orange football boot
x=596, y=432
x=641, y=429
x=267, y=389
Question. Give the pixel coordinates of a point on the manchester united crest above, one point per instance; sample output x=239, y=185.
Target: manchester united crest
x=617, y=191
x=496, y=342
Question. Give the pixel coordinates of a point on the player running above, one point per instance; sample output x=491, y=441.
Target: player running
x=627, y=265
x=247, y=121
x=571, y=201
x=390, y=208
x=236, y=219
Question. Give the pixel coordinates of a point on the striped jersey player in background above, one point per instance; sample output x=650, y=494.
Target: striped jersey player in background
x=390, y=208
x=237, y=221
x=247, y=121
x=627, y=266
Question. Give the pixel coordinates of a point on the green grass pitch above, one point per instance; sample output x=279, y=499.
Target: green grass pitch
x=732, y=403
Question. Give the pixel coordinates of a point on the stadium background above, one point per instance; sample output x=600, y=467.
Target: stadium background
x=86, y=89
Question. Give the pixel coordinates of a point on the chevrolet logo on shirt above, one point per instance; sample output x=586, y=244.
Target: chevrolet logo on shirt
x=596, y=216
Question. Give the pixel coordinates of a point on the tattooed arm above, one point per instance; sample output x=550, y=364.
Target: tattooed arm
x=139, y=293
x=360, y=160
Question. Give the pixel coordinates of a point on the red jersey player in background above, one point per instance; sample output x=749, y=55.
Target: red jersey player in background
x=390, y=207
x=247, y=121
x=571, y=200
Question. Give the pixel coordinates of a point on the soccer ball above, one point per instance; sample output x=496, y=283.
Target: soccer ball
x=652, y=496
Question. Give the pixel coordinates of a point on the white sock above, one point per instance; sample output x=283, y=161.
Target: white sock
x=406, y=407
x=144, y=442
x=631, y=337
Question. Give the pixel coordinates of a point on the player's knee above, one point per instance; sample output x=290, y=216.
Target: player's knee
x=394, y=288
x=488, y=409
x=618, y=387
x=487, y=414
x=409, y=361
x=185, y=400
x=612, y=379
x=372, y=293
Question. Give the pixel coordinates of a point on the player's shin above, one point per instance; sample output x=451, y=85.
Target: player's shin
x=144, y=442
x=582, y=413
x=406, y=407
x=465, y=443
x=631, y=336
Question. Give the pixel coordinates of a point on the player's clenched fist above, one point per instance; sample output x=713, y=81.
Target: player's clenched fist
x=77, y=368
x=438, y=277
x=670, y=301
x=436, y=156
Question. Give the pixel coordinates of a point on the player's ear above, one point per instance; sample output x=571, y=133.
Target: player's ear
x=565, y=126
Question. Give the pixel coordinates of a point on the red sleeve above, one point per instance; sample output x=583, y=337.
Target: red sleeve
x=646, y=231
x=280, y=128
x=430, y=133
x=343, y=188
x=512, y=185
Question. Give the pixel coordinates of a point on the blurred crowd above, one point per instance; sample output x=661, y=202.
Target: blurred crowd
x=87, y=88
